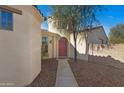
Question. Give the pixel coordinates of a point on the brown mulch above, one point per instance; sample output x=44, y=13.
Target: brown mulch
x=47, y=76
x=94, y=74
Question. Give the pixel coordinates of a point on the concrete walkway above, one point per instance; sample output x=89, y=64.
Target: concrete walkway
x=65, y=77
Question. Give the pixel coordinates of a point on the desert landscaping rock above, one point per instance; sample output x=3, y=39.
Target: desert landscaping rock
x=47, y=76
x=91, y=74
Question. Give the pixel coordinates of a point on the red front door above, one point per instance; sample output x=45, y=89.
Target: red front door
x=63, y=47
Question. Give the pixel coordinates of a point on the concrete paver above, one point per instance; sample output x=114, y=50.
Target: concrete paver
x=65, y=77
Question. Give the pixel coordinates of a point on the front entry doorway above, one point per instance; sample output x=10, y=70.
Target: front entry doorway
x=63, y=46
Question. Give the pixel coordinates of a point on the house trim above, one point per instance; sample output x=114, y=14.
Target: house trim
x=4, y=7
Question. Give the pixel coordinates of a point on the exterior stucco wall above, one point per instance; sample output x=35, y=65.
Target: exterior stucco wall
x=80, y=45
x=50, y=46
x=20, y=49
x=115, y=51
x=96, y=35
x=52, y=43
x=53, y=29
x=55, y=48
x=35, y=46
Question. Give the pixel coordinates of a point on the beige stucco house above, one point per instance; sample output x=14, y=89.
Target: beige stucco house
x=20, y=44
x=61, y=45
x=21, y=48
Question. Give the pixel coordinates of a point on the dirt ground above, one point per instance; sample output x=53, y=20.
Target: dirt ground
x=95, y=73
x=47, y=76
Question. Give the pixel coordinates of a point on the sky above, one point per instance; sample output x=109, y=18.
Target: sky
x=111, y=16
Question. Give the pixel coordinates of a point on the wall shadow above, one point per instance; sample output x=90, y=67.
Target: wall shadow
x=80, y=56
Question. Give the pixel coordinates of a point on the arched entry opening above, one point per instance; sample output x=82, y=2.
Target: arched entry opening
x=63, y=47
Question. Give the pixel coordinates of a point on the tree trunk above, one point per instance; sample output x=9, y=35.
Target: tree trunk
x=75, y=46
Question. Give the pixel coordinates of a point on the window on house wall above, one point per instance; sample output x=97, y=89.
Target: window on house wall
x=6, y=20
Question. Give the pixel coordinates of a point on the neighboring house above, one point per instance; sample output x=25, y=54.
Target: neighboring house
x=62, y=45
x=97, y=39
x=97, y=35
x=20, y=45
